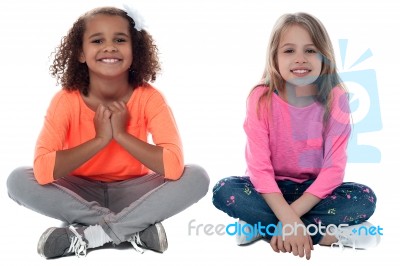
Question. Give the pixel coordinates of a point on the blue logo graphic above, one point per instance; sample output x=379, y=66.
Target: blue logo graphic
x=372, y=231
x=364, y=105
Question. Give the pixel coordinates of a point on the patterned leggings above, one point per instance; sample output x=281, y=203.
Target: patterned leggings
x=350, y=203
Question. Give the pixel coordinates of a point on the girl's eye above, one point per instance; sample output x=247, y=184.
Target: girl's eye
x=288, y=51
x=96, y=41
x=311, y=51
x=120, y=40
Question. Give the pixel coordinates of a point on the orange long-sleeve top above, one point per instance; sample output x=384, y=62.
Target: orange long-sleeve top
x=69, y=123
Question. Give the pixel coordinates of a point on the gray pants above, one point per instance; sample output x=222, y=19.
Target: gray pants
x=121, y=208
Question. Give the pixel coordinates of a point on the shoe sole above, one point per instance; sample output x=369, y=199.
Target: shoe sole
x=43, y=239
x=163, y=240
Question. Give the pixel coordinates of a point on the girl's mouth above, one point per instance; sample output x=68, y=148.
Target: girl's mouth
x=110, y=60
x=300, y=72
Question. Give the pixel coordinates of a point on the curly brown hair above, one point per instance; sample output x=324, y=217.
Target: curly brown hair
x=74, y=75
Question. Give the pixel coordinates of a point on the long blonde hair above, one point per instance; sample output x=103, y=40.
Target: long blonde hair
x=328, y=79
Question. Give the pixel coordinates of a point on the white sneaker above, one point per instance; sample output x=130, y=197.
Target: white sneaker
x=356, y=236
x=247, y=237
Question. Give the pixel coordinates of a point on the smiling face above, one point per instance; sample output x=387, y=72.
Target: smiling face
x=107, y=48
x=299, y=61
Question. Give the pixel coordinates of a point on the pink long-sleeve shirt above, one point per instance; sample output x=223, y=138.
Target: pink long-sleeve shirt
x=290, y=143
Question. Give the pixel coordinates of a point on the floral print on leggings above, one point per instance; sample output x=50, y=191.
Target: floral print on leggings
x=350, y=203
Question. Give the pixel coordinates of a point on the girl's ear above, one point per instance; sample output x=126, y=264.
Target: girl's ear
x=82, y=58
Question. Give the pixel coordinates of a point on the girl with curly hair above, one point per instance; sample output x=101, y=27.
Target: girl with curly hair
x=94, y=168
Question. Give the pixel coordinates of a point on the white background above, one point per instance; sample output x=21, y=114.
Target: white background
x=212, y=53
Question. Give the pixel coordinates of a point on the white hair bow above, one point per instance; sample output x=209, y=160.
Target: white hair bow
x=137, y=18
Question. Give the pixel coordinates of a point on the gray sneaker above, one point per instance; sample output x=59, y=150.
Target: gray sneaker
x=153, y=238
x=58, y=242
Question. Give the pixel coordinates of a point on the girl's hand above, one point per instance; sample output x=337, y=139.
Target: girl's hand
x=102, y=124
x=298, y=243
x=277, y=244
x=119, y=118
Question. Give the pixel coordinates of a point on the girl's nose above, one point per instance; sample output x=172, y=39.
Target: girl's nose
x=300, y=58
x=110, y=47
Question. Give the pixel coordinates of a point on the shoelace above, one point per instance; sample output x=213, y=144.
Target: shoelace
x=343, y=240
x=135, y=241
x=78, y=246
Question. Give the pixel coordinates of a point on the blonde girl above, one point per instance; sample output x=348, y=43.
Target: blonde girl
x=297, y=127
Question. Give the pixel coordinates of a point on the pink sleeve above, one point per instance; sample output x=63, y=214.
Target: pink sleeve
x=258, y=154
x=164, y=131
x=51, y=139
x=337, y=133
